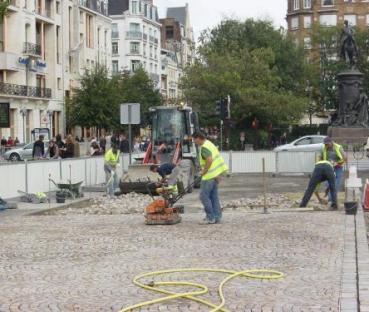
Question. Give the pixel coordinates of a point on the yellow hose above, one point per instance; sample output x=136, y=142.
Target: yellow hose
x=200, y=289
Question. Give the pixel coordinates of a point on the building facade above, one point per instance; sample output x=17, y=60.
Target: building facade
x=178, y=50
x=45, y=45
x=135, y=37
x=301, y=14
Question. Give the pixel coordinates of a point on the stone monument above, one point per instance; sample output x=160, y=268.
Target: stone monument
x=351, y=125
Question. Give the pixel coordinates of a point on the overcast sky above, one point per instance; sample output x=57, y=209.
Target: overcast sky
x=207, y=13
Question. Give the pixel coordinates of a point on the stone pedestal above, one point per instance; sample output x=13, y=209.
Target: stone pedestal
x=349, y=135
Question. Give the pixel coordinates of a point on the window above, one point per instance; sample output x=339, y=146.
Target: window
x=81, y=17
x=295, y=22
x=307, y=21
x=135, y=47
x=115, y=67
x=114, y=31
x=59, y=83
x=156, y=53
x=156, y=69
x=58, y=7
x=317, y=140
x=296, y=4
x=307, y=43
x=351, y=18
x=327, y=2
x=134, y=27
x=89, y=31
x=135, y=65
x=135, y=8
x=307, y=4
x=328, y=20
x=304, y=141
x=151, y=51
x=169, y=32
x=114, y=48
x=144, y=49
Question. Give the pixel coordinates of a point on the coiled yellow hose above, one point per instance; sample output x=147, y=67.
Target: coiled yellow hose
x=200, y=289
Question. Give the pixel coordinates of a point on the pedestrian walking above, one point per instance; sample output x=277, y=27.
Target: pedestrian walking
x=335, y=154
x=212, y=167
x=110, y=165
x=323, y=171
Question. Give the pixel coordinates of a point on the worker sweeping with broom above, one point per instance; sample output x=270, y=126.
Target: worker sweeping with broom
x=110, y=165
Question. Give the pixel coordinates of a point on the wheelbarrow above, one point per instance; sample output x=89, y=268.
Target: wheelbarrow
x=72, y=190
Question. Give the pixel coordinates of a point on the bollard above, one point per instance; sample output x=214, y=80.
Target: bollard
x=265, y=211
x=49, y=198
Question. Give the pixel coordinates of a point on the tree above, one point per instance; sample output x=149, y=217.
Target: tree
x=139, y=88
x=3, y=8
x=95, y=102
x=260, y=67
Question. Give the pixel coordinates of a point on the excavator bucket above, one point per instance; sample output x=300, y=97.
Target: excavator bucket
x=139, y=179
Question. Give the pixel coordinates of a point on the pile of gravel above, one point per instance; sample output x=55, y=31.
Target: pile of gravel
x=131, y=203
x=272, y=200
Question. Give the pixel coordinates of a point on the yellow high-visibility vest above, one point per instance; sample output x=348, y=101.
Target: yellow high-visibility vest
x=112, y=158
x=218, y=165
x=336, y=148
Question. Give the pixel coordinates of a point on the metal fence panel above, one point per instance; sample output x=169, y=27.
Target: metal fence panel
x=12, y=178
x=251, y=162
x=73, y=170
x=38, y=175
x=295, y=162
x=94, y=171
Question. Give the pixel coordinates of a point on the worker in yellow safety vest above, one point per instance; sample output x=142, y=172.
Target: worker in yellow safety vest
x=212, y=167
x=111, y=161
x=323, y=171
x=334, y=153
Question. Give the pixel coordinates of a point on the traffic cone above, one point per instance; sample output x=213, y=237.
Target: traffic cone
x=366, y=196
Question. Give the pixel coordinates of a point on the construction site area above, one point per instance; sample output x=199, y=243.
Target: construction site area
x=83, y=255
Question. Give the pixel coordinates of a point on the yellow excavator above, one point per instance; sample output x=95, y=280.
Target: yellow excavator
x=171, y=141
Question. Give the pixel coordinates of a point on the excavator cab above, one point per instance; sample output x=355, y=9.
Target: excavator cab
x=171, y=141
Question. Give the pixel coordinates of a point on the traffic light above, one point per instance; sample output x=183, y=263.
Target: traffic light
x=218, y=108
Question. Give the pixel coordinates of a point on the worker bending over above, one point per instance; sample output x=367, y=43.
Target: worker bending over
x=164, y=170
x=323, y=171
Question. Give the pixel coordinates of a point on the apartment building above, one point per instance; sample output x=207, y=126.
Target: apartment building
x=135, y=37
x=301, y=14
x=45, y=45
x=178, y=50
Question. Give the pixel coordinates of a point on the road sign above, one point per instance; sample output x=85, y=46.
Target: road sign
x=4, y=115
x=130, y=114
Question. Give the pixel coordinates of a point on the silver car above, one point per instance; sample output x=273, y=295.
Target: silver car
x=21, y=153
x=308, y=143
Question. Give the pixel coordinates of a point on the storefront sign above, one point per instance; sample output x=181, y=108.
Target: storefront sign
x=4, y=115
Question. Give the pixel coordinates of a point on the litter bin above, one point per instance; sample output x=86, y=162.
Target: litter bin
x=351, y=208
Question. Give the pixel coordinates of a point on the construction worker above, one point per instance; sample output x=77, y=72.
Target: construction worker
x=212, y=167
x=334, y=153
x=323, y=171
x=110, y=165
x=163, y=170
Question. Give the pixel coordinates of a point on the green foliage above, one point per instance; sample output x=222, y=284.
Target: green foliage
x=96, y=102
x=257, y=65
x=3, y=8
x=139, y=88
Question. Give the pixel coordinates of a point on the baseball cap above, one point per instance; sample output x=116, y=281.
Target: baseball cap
x=327, y=140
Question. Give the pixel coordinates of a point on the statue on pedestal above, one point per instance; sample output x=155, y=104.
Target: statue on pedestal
x=348, y=45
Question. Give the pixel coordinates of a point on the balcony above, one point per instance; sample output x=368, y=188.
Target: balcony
x=31, y=49
x=135, y=35
x=115, y=34
x=9, y=61
x=21, y=90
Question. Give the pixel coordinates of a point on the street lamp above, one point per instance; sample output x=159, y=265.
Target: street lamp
x=23, y=112
x=309, y=91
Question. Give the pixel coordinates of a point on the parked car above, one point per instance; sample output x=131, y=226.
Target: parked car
x=21, y=153
x=308, y=143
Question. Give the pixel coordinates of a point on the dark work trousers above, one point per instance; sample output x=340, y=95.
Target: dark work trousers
x=322, y=172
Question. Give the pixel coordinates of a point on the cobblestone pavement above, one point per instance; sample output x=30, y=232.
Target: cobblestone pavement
x=86, y=263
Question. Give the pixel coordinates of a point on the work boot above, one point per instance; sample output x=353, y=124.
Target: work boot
x=333, y=207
